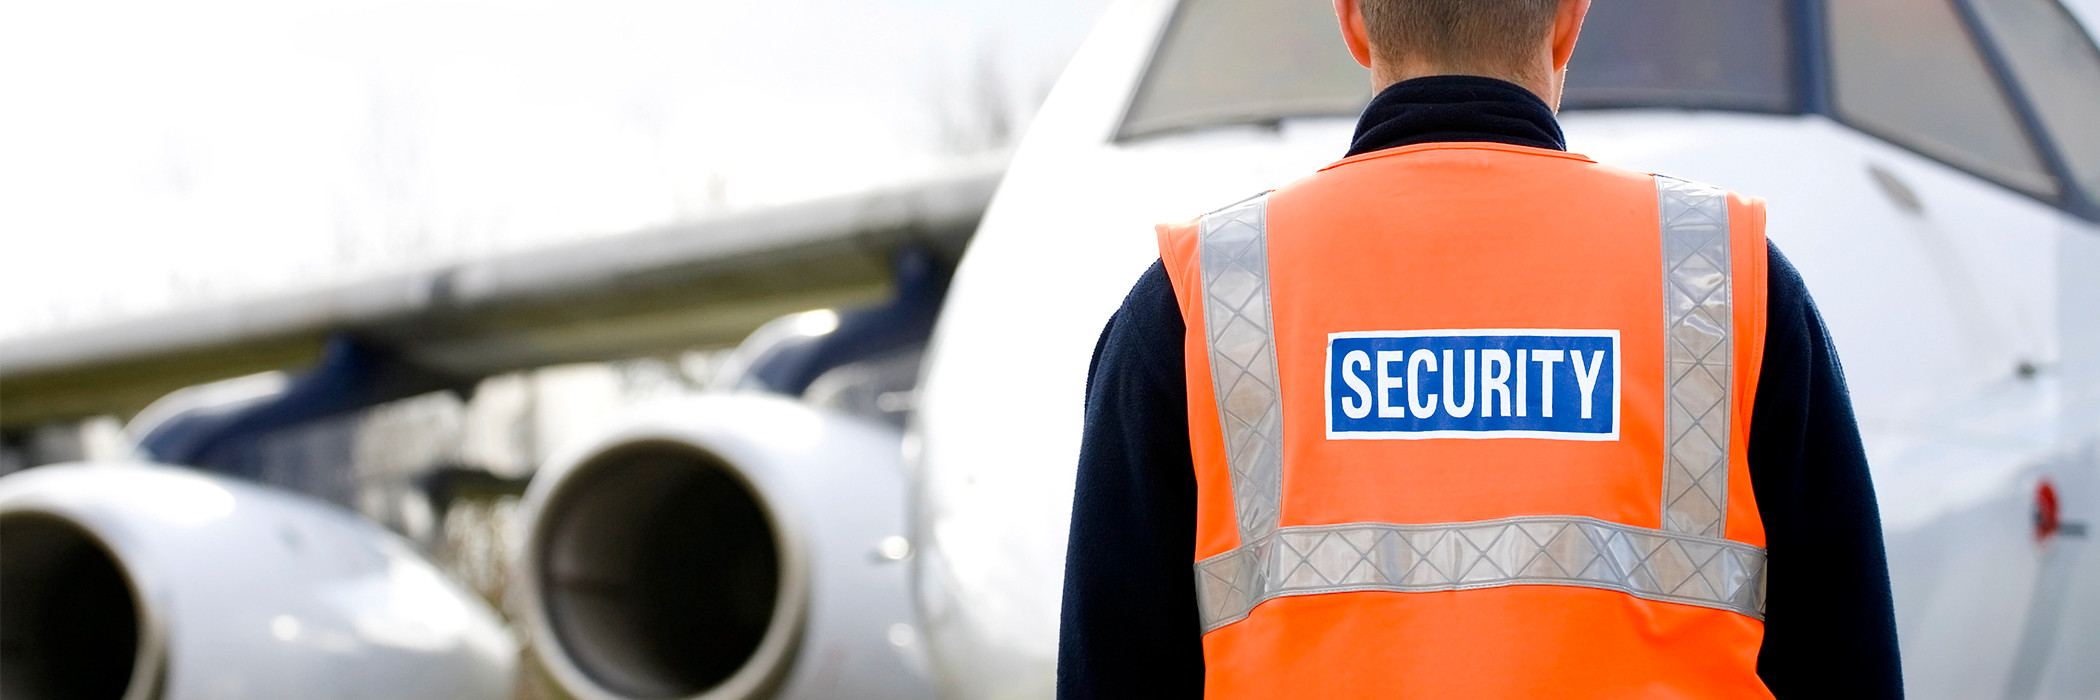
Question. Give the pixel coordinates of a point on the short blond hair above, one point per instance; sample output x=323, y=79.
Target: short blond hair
x=1499, y=36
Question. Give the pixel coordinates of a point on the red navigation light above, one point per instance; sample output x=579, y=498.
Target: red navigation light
x=2047, y=520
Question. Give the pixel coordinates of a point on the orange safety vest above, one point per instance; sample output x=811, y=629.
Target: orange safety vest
x=1469, y=421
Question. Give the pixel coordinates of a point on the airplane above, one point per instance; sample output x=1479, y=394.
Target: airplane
x=1930, y=164
x=151, y=581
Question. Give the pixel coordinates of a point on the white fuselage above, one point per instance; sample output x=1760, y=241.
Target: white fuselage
x=1969, y=325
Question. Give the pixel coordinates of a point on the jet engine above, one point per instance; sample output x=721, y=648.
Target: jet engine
x=723, y=546
x=145, y=582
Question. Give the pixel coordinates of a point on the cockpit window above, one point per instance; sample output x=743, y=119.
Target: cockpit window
x=1247, y=62
x=2059, y=69
x=1260, y=61
x=1909, y=71
x=1710, y=54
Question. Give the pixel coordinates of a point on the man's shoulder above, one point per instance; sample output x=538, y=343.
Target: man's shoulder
x=1142, y=344
x=1785, y=290
x=1151, y=302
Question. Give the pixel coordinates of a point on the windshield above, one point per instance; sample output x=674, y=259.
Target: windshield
x=1246, y=62
x=1261, y=61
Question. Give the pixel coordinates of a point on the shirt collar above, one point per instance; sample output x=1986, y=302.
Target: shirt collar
x=1444, y=108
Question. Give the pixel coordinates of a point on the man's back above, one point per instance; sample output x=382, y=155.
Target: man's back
x=1130, y=496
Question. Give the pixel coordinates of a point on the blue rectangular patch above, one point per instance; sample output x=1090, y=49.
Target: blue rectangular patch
x=1530, y=383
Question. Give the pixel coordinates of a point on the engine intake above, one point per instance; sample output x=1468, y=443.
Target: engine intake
x=663, y=571
x=139, y=582
x=71, y=626
x=721, y=547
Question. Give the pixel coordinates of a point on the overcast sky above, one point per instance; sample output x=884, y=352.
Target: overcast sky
x=157, y=153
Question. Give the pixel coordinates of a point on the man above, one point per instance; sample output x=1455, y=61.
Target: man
x=1466, y=415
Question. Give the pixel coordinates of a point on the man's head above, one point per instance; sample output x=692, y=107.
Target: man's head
x=1526, y=42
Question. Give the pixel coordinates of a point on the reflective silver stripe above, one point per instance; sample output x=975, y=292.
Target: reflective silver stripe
x=1233, y=245
x=1698, y=355
x=1686, y=561
x=1533, y=550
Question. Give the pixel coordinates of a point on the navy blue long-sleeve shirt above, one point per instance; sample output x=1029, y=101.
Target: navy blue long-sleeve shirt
x=1130, y=626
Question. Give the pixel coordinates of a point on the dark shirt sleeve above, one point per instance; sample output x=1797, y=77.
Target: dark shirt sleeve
x=1830, y=623
x=1129, y=625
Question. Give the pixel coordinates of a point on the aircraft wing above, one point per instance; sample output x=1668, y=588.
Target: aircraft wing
x=701, y=282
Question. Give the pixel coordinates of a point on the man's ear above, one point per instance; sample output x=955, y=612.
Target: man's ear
x=1351, y=13
x=1567, y=27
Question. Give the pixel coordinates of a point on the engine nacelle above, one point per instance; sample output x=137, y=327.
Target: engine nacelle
x=148, y=582
x=723, y=546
